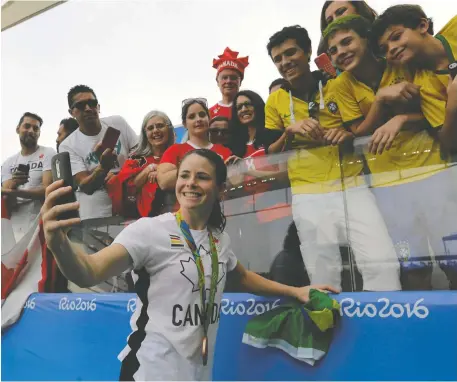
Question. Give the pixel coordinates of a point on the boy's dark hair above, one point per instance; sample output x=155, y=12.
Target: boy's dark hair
x=355, y=23
x=278, y=81
x=295, y=32
x=410, y=16
x=30, y=115
x=78, y=89
x=69, y=124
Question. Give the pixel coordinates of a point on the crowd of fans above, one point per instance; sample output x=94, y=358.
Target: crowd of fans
x=393, y=203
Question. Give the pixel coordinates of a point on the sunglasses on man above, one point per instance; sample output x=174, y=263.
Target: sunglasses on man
x=219, y=132
x=81, y=105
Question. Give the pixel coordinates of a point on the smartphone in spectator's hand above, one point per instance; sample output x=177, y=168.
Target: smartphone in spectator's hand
x=61, y=169
x=109, y=140
x=25, y=168
x=323, y=63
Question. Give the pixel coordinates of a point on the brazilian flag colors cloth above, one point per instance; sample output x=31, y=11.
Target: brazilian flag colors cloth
x=304, y=331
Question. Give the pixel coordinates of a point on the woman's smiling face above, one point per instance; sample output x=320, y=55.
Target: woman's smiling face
x=196, y=186
x=157, y=131
x=245, y=110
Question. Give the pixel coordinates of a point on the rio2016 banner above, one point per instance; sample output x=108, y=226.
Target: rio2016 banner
x=381, y=336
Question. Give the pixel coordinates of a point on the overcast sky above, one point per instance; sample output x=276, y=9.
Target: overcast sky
x=144, y=55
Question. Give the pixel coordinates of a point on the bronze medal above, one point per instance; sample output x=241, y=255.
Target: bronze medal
x=205, y=350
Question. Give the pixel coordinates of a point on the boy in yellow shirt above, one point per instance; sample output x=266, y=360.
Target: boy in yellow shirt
x=372, y=93
x=404, y=34
x=330, y=198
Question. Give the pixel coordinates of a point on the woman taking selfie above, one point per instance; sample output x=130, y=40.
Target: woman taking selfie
x=181, y=261
x=134, y=190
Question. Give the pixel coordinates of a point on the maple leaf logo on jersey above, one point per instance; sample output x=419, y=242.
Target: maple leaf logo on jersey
x=189, y=270
x=41, y=156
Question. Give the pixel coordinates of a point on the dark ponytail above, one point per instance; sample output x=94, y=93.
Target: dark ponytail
x=217, y=218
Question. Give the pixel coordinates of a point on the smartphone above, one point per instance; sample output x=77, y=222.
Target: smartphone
x=61, y=169
x=109, y=140
x=25, y=168
x=453, y=69
x=323, y=63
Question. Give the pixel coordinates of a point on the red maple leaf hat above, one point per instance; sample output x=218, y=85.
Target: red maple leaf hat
x=230, y=60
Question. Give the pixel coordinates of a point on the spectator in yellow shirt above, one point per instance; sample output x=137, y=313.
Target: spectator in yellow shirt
x=372, y=93
x=404, y=34
x=331, y=204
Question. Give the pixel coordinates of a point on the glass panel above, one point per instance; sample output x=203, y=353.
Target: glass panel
x=411, y=198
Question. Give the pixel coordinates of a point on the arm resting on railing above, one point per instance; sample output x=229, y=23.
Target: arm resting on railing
x=167, y=174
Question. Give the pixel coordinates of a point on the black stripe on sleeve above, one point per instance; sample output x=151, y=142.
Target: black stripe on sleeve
x=130, y=364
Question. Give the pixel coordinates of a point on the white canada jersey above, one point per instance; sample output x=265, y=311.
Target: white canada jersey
x=166, y=340
x=26, y=210
x=82, y=157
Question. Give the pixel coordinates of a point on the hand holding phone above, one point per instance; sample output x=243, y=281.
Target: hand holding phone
x=21, y=174
x=323, y=63
x=61, y=169
x=24, y=168
x=109, y=140
x=108, y=159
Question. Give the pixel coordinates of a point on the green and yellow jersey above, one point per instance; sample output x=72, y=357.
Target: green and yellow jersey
x=413, y=155
x=434, y=83
x=313, y=168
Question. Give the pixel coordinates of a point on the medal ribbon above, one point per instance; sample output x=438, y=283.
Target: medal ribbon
x=206, y=307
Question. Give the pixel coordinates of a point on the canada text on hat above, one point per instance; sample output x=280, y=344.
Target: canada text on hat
x=230, y=60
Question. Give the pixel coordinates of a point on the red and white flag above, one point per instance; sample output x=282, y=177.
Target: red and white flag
x=27, y=267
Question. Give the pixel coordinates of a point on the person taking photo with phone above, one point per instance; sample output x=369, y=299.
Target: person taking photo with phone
x=26, y=175
x=180, y=263
x=95, y=151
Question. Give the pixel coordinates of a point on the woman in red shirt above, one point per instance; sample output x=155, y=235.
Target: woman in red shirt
x=134, y=189
x=195, y=118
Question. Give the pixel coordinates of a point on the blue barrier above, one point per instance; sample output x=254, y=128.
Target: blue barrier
x=382, y=336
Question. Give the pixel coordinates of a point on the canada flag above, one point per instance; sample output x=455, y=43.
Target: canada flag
x=27, y=266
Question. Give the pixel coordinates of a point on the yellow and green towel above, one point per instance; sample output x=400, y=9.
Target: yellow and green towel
x=301, y=330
